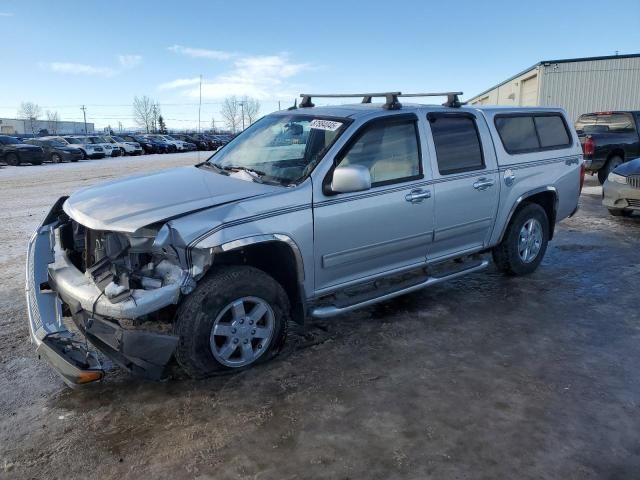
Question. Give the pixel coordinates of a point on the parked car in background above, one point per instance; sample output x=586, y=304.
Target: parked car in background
x=181, y=144
x=199, y=144
x=147, y=147
x=56, y=151
x=170, y=147
x=211, y=144
x=161, y=145
x=621, y=189
x=362, y=203
x=88, y=149
x=110, y=149
x=126, y=147
x=608, y=139
x=14, y=152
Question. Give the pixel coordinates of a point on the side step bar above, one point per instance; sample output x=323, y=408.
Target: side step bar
x=327, y=311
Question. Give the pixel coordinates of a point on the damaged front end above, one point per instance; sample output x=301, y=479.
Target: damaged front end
x=120, y=289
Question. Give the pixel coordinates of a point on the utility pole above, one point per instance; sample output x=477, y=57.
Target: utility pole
x=242, y=106
x=84, y=113
x=213, y=124
x=200, y=103
x=155, y=118
x=278, y=104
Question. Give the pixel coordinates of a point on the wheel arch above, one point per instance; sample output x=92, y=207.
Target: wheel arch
x=616, y=152
x=546, y=197
x=275, y=254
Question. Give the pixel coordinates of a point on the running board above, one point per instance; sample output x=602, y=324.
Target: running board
x=327, y=311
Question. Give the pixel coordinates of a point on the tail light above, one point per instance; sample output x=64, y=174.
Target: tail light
x=589, y=147
x=582, y=173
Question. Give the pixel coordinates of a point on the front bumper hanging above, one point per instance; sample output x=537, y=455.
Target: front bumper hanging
x=53, y=281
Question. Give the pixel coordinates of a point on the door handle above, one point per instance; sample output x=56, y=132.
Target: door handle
x=483, y=183
x=416, y=196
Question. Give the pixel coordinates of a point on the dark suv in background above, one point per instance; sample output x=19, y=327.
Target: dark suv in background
x=608, y=139
x=55, y=151
x=14, y=152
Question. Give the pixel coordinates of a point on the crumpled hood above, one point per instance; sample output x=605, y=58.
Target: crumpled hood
x=632, y=167
x=129, y=204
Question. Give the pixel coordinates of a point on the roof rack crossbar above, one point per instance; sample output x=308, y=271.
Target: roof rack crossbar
x=452, y=97
x=391, y=102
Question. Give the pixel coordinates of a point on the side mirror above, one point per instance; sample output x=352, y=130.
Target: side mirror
x=351, y=178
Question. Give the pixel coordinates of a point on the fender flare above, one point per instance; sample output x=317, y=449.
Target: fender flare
x=264, y=238
x=522, y=198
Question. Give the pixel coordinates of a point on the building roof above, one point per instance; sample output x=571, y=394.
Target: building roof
x=550, y=62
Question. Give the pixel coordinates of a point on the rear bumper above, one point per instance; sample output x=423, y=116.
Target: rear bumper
x=53, y=282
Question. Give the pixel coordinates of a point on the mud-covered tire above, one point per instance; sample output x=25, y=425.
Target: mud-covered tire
x=196, y=316
x=507, y=256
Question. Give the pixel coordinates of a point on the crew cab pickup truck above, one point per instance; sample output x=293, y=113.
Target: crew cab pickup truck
x=608, y=139
x=310, y=212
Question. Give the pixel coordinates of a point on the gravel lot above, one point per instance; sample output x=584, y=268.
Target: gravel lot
x=484, y=377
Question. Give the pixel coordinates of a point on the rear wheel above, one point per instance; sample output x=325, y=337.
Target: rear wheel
x=608, y=167
x=56, y=158
x=525, y=241
x=84, y=155
x=12, y=159
x=237, y=317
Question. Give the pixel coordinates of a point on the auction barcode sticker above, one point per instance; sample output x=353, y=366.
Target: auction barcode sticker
x=325, y=125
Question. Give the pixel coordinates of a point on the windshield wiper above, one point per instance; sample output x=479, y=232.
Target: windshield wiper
x=232, y=168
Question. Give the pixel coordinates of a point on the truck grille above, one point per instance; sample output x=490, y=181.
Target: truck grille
x=633, y=202
x=634, y=181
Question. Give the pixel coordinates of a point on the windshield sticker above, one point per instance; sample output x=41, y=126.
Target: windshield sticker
x=325, y=125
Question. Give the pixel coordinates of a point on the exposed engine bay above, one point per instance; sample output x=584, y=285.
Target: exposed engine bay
x=122, y=265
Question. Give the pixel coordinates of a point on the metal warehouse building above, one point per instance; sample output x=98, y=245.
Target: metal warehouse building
x=579, y=85
x=15, y=126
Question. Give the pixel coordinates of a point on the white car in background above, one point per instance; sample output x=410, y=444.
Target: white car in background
x=89, y=150
x=126, y=147
x=110, y=149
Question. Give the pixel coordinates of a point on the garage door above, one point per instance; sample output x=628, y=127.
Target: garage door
x=529, y=92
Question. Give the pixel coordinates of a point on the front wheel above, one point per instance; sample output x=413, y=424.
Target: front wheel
x=524, y=243
x=56, y=158
x=236, y=317
x=12, y=159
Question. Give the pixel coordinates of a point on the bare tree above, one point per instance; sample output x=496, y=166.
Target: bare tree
x=30, y=111
x=52, y=122
x=144, y=112
x=251, y=109
x=230, y=111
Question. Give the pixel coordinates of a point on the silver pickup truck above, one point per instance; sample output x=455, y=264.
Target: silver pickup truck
x=310, y=212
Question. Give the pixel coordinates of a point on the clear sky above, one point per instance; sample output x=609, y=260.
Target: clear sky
x=67, y=53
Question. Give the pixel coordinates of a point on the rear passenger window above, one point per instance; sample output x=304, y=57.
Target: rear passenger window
x=457, y=142
x=551, y=131
x=531, y=133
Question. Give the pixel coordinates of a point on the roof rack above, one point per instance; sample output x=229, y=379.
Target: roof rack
x=391, y=98
x=452, y=98
x=390, y=104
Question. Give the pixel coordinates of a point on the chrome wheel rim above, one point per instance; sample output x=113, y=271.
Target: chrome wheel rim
x=242, y=332
x=530, y=240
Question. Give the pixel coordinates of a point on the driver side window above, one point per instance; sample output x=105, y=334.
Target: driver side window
x=389, y=149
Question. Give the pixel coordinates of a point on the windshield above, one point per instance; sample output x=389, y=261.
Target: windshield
x=9, y=140
x=57, y=143
x=117, y=139
x=73, y=140
x=605, y=123
x=281, y=148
